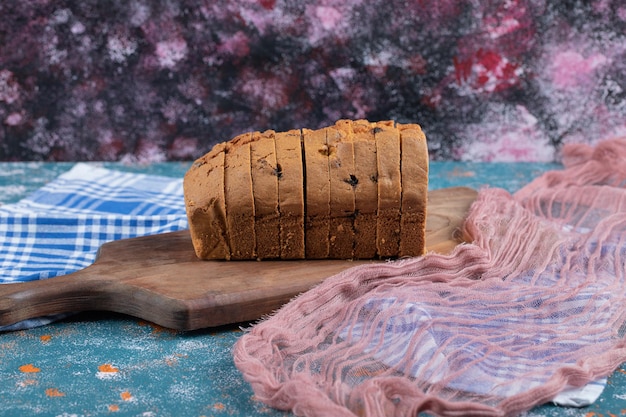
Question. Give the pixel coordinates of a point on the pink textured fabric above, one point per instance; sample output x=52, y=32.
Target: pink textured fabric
x=535, y=304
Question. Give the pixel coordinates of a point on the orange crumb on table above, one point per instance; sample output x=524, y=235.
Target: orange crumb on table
x=219, y=406
x=114, y=407
x=45, y=338
x=29, y=368
x=107, y=367
x=54, y=392
x=126, y=396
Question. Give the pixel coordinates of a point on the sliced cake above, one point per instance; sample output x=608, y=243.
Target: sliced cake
x=290, y=193
x=342, y=182
x=354, y=190
x=265, y=192
x=389, y=188
x=239, y=198
x=205, y=205
x=317, y=185
x=414, y=171
x=366, y=190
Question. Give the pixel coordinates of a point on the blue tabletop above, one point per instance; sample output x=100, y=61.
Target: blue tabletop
x=100, y=364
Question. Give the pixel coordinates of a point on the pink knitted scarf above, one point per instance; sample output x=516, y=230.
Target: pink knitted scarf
x=534, y=305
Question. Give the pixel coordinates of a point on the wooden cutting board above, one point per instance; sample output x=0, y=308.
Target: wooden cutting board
x=159, y=279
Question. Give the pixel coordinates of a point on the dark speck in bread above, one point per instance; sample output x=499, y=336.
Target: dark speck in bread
x=278, y=171
x=353, y=180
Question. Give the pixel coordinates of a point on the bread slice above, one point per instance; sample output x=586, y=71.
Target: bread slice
x=205, y=204
x=290, y=193
x=265, y=192
x=414, y=171
x=239, y=198
x=317, y=185
x=366, y=190
x=389, y=189
x=342, y=182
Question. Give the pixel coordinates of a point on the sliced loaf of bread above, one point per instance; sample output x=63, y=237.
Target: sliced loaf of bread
x=354, y=190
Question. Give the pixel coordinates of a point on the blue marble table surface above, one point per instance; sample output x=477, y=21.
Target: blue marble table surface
x=96, y=364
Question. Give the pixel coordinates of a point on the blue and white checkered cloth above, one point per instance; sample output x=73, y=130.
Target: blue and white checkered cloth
x=59, y=228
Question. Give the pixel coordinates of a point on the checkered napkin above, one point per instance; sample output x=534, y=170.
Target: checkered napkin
x=59, y=228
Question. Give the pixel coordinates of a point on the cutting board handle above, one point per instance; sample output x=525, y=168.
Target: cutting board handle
x=64, y=294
